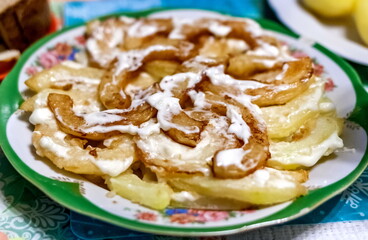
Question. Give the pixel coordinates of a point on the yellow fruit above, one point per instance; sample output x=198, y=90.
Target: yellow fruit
x=283, y=120
x=318, y=139
x=330, y=8
x=361, y=19
x=130, y=186
x=263, y=187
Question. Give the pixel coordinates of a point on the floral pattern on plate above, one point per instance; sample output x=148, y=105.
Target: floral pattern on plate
x=184, y=216
x=62, y=51
x=319, y=69
x=26, y=213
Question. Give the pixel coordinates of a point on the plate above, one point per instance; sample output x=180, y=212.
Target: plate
x=74, y=192
x=340, y=36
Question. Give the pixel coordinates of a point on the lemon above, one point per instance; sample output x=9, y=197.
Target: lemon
x=330, y=8
x=361, y=19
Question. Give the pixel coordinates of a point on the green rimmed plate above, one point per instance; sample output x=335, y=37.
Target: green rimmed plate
x=327, y=178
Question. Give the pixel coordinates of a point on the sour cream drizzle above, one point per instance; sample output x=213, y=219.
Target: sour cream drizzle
x=142, y=29
x=132, y=60
x=167, y=105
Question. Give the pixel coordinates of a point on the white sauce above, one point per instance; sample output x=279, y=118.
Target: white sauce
x=60, y=135
x=48, y=144
x=132, y=60
x=167, y=105
x=261, y=177
x=283, y=183
x=230, y=157
x=272, y=178
x=310, y=156
x=141, y=29
x=168, y=83
x=96, y=118
x=327, y=106
x=184, y=196
x=98, y=55
x=179, y=24
x=281, y=75
x=253, y=27
x=269, y=63
x=117, y=36
x=218, y=29
x=218, y=77
x=113, y=167
x=127, y=20
x=108, y=141
x=198, y=99
x=72, y=64
x=144, y=129
x=237, y=44
x=91, y=107
x=238, y=126
x=265, y=49
x=312, y=101
x=245, y=100
x=192, y=159
x=41, y=116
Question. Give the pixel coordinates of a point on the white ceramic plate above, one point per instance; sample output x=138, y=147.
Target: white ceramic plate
x=340, y=36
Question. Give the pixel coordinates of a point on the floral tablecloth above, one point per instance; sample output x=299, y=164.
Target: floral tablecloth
x=25, y=212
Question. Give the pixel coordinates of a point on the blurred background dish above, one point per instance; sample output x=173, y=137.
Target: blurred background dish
x=22, y=22
x=8, y=58
x=338, y=34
